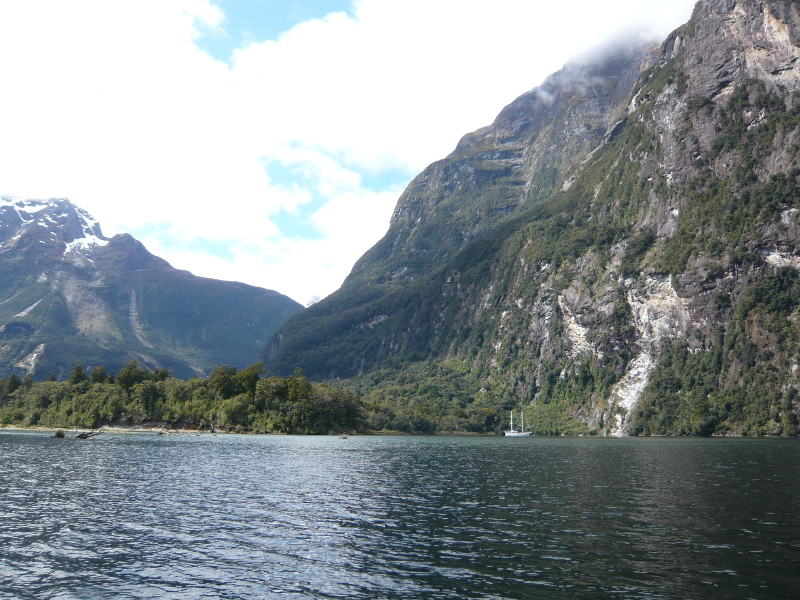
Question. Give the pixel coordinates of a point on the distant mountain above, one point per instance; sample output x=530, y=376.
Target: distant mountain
x=618, y=252
x=69, y=294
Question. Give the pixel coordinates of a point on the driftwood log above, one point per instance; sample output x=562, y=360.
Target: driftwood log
x=87, y=434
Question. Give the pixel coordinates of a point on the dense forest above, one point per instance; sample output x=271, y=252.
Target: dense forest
x=228, y=400
x=425, y=398
x=422, y=398
x=246, y=401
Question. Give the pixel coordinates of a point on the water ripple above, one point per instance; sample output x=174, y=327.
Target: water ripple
x=134, y=516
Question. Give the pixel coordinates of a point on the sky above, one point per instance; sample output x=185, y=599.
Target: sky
x=267, y=141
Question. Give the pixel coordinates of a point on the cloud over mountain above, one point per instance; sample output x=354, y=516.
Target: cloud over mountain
x=116, y=106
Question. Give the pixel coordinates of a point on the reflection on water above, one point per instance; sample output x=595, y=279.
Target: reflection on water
x=136, y=516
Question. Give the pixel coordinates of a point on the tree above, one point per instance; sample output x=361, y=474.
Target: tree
x=160, y=374
x=247, y=379
x=149, y=397
x=99, y=374
x=299, y=386
x=78, y=374
x=13, y=383
x=222, y=380
x=131, y=374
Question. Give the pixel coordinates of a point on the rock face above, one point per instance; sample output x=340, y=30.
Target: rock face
x=502, y=170
x=618, y=251
x=67, y=293
x=658, y=314
x=495, y=175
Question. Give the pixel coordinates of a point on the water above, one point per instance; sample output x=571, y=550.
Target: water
x=146, y=516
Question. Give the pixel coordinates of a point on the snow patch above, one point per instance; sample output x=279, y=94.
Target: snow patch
x=25, y=209
x=27, y=205
x=84, y=243
x=43, y=214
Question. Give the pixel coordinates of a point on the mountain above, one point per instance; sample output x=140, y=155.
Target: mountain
x=618, y=252
x=494, y=176
x=69, y=294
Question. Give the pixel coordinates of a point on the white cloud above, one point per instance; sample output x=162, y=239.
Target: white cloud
x=113, y=105
x=350, y=223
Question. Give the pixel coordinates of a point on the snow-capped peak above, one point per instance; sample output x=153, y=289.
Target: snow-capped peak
x=67, y=222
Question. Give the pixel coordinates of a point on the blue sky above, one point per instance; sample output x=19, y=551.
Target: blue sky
x=254, y=21
x=255, y=140
x=251, y=22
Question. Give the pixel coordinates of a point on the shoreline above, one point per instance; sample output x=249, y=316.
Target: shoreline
x=170, y=431
x=160, y=430
x=109, y=429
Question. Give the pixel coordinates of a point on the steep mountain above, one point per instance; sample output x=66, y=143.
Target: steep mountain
x=618, y=252
x=495, y=175
x=69, y=294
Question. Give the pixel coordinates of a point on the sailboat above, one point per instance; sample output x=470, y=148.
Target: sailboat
x=513, y=432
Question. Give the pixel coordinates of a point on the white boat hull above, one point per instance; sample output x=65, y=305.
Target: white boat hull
x=517, y=432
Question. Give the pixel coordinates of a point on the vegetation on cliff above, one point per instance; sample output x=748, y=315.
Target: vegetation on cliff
x=624, y=285
x=739, y=386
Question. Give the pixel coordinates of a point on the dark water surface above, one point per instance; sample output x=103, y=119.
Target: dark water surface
x=146, y=516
